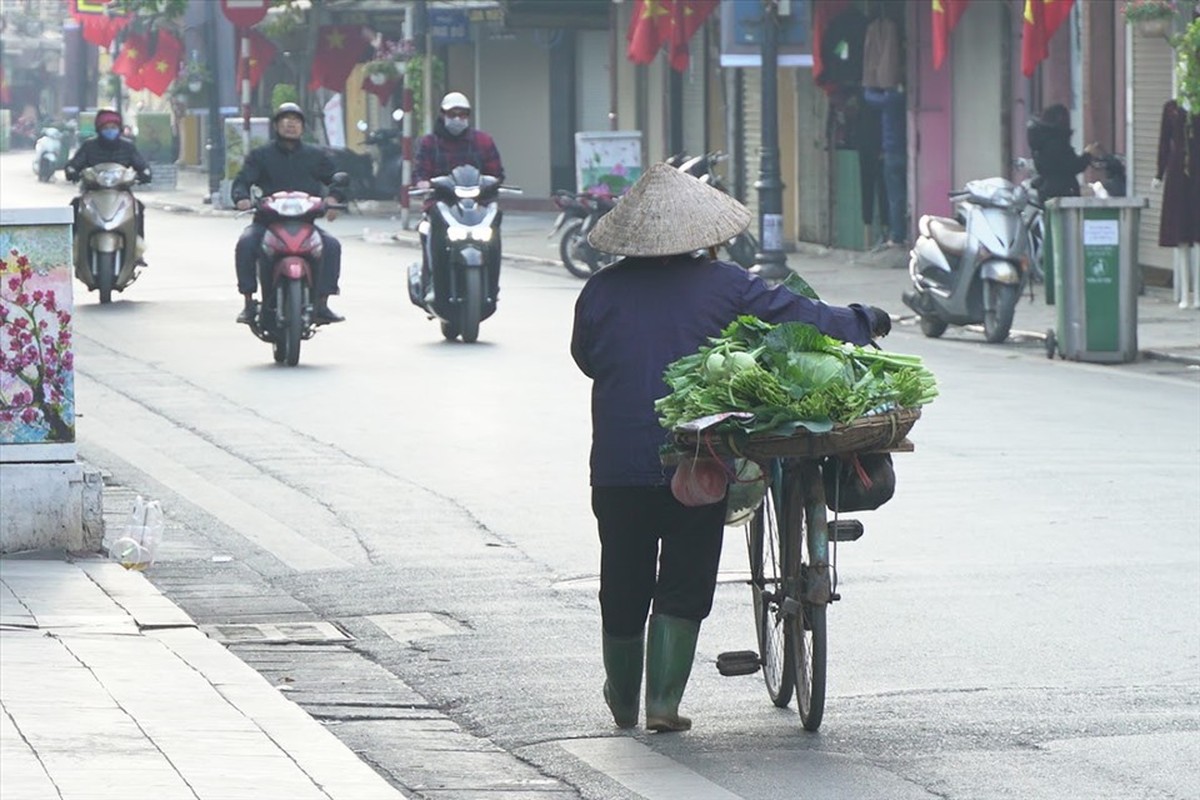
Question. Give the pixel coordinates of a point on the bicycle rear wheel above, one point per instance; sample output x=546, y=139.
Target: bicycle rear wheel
x=807, y=575
x=766, y=583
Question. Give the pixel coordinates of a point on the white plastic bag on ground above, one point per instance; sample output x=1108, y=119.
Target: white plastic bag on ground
x=143, y=532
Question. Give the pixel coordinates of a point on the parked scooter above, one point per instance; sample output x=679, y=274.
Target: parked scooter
x=108, y=249
x=578, y=215
x=461, y=235
x=373, y=178
x=742, y=248
x=972, y=271
x=47, y=153
x=292, y=251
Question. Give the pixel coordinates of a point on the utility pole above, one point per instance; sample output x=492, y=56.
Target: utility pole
x=216, y=133
x=770, y=261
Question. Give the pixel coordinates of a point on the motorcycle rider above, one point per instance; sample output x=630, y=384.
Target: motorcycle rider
x=286, y=165
x=454, y=143
x=108, y=146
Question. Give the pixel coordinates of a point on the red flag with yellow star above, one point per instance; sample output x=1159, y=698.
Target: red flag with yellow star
x=946, y=14
x=686, y=18
x=1042, y=19
x=160, y=69
x=339, y=48
x=135, y=51
x=649, y=30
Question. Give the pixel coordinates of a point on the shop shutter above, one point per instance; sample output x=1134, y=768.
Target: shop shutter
x=1151, y=81
x=751, y=139
x=591, y=80
x=694, y=128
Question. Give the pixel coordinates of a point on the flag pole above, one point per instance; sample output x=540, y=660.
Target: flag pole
x=770, y=261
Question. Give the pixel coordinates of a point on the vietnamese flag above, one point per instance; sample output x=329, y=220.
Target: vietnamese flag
x=339, y=48
x=262, y=53
x=134, y=53
x=649, y=30
x=1042, y=19
x=159, y=70
x=686, y=18
x=946, y=14
x=98, y=27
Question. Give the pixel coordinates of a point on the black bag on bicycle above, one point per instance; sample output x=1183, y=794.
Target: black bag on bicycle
x=861, y=482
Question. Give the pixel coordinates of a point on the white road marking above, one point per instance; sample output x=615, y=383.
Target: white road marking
x=281, y=541
x=643, y=771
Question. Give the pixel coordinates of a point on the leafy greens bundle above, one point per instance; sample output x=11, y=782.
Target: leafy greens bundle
x=789, y=375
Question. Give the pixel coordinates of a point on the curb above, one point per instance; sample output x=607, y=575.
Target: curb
x=1167, y=355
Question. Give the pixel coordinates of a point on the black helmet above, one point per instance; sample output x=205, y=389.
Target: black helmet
x=289, y=108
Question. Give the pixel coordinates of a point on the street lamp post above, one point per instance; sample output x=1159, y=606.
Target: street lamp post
x=216, y=133
x=770, y=261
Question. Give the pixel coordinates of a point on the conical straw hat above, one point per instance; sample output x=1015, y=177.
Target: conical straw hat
x=667, y=212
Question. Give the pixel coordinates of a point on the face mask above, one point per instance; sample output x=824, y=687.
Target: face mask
x=456, y=125
x=110, y=134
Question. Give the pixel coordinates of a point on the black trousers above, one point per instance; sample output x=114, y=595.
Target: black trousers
x=655, y=551
x=249, y=245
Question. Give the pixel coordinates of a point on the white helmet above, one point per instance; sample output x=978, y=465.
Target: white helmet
x=455, y=100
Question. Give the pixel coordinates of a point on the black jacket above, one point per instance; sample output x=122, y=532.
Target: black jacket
x=276, y=167
x=98, y=150
x=1055, y=160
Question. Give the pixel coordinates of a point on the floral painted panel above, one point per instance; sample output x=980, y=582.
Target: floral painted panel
x=37, y=378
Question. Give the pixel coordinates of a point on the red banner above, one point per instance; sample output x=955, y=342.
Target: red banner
x=946, y=14
x=97, y=26
x=1042, y=19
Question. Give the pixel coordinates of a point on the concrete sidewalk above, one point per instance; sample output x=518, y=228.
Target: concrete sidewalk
x=110, y=692
x=1165, y=331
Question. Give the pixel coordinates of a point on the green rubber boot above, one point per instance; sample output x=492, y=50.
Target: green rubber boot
x=670, y=650
x=623, y=681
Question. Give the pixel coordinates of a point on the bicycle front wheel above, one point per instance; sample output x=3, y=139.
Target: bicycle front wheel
x=766, y=582
x=807, y=575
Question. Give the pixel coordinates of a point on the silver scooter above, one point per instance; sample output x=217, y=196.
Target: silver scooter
x=972, y=269
x=108, y=249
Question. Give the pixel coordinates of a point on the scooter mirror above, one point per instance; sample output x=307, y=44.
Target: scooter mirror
x=398, y=114
x=361, y=125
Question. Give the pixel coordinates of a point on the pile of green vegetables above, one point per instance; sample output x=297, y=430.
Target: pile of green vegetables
x=788, y=376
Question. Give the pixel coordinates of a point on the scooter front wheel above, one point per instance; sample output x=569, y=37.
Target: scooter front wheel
x=932, y=327
x=1000, y=303
x=106, y=271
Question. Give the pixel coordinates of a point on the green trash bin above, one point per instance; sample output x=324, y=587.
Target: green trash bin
x=1094, y=241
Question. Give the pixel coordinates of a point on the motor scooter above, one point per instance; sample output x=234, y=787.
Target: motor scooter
x=291, y=256
x=373, y=178
x=578, y=215
x=972, y=271
x=107, y=248
x=47, y=152
x=460, y=235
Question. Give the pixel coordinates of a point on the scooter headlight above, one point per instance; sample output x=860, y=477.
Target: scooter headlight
x=462, y=233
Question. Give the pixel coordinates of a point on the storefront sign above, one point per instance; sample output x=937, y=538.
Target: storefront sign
x=741, y=35
x=448, y=26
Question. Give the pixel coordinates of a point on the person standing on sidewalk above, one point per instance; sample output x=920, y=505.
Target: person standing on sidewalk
x=286, y=165
x=659, y=557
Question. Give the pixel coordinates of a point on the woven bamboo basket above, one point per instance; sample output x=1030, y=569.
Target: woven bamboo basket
x=878, y=432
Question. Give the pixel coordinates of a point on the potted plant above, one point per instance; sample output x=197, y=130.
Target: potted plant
x=1150, y=17
x=381, y=71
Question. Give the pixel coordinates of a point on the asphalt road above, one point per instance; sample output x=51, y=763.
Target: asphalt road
x=1021, y=621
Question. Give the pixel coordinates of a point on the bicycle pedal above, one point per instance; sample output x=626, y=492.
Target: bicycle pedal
x=738, y=662
x=844, y=530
